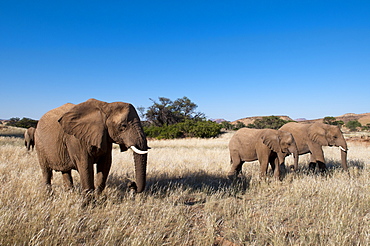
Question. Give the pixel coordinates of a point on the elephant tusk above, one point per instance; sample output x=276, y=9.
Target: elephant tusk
x=137, y=151
x=343, y=149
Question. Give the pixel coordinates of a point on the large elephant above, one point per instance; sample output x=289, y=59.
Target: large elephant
x=311, y=137
x=78, y=136
x=265, y=145
x=29, y=138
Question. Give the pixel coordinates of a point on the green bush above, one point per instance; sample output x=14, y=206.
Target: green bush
x=188, y=128
x=24, y=122
x=353, y=124
x=271, y=122
x=227, y=125
x=239, y=125
x=330, y=120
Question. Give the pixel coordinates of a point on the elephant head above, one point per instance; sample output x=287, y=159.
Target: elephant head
x=283, y=144
x=99, y=124
x=329, y=135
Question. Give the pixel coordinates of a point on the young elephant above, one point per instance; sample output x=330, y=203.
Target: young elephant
x=29, y=138
x=265, y=145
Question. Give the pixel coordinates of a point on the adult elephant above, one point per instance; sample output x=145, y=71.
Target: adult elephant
x=311, y=137
x=265, y=145
x=78, y=136
x=29, y=138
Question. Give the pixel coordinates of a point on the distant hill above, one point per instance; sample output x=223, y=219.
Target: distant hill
x=362, y=118
x=300, y=119
x=250, y=120
x=218, y=120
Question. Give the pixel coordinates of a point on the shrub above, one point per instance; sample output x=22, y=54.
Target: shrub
x=330, y=120
x=24, y=122
x=188, y=128
x=272, y=122
x=227, y=125
x=239, y=125
x=353, y=124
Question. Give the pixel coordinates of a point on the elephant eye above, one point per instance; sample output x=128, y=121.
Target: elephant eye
x=123, y=126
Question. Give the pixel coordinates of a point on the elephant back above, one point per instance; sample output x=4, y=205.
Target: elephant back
x=49, y=134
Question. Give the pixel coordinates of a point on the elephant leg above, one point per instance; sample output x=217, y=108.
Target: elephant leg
x=47, y=174
x=86, y=172
x=322, y=166
x=274, y=162
x=264, y=162
x=236, y=167
x=67, y=179
x=103, y=168
x=317, y=156
x=312, y=164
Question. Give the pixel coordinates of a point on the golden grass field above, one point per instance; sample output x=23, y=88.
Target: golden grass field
x=188, y=201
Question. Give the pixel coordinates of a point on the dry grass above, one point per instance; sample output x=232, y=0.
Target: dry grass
x=188, y=201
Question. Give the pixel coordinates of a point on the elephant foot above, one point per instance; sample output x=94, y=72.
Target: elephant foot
x=133, y=190
x=322, y=167
x=88, y=198
x=233, y=176
x=312, y=165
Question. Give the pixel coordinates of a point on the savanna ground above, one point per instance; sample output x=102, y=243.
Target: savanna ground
x=188, y=201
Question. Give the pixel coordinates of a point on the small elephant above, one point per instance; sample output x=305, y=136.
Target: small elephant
x=311, y=137
x=78, y=136
x=29, y=138
x=265, y=145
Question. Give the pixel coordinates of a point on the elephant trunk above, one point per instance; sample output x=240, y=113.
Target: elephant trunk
x=140, y=171
x=296, y=158
x=140, y=159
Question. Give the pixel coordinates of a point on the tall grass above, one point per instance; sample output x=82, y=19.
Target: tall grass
x=188, y=201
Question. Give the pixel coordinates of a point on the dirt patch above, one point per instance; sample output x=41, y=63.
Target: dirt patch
x=360, y=140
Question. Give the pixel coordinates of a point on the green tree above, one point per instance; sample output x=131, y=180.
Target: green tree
x=24, y=122
x=188, y=128
x=251, y=125
x=227, y=125
x=239, y=125
x=353, y=124
x=366, y=128
x=168, y=112
x=272, y=122
x=330, y=120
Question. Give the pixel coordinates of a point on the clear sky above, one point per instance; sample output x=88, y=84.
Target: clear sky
x=234, y=59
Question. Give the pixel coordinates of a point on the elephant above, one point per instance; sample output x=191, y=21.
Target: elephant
x=311, y=137
x=265, y=145
x=29, y=138
x=75, y=137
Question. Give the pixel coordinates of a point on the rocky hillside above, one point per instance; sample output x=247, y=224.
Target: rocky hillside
x=250, y=120
x=362, y=118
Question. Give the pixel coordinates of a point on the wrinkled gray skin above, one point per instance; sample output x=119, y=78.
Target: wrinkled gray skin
x=265, y=145
x=29, y=138
x=311, y=137
x=78, y=136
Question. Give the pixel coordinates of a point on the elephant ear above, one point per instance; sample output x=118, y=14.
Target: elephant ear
x=86, y=122
x=272, y=141
x=317, y=135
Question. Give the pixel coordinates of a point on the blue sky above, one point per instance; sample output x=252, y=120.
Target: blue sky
x=234, y=59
